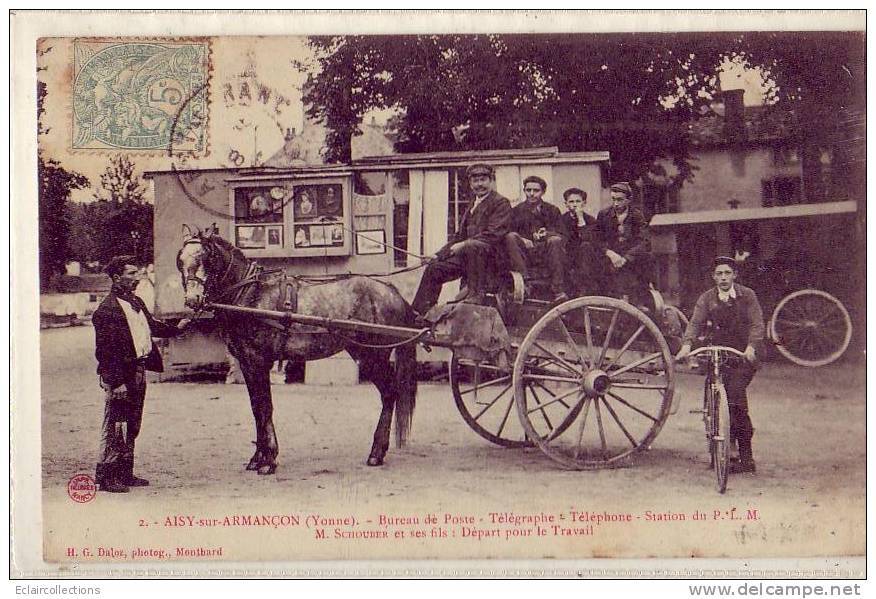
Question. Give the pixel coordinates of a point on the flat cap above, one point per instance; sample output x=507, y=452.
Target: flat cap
x=623, y=187
x=480, y=169
x=725, y=261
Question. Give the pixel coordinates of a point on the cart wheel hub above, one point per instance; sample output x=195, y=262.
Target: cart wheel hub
x=596, y=382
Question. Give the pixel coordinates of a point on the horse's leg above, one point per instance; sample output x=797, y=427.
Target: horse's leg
x=257, y=373
x=377, y=369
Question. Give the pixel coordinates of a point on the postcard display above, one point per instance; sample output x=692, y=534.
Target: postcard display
x=292, y=218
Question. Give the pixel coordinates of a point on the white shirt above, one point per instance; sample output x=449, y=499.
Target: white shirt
x=725, y=296
x=140, y=332
x=477, y=203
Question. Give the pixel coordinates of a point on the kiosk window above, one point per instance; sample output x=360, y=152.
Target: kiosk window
x=258, y=216
x=318, y=215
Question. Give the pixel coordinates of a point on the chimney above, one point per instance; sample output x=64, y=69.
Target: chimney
x=734, y=114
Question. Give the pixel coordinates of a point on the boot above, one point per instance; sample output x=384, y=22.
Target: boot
x=746, y=460
x=106, y=476
x=126, y=469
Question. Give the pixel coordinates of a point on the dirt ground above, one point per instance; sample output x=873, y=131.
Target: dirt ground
x=808, y=493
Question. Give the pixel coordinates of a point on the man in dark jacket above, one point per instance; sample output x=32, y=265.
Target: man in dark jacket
x=536, y=236
x=123, y=329
x=626, y=244
x=736, y=321
x=583, y=248
x=473, y=251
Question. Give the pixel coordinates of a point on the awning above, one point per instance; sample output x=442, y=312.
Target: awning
x=729, y=215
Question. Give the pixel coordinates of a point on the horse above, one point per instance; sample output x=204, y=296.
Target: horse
x=215, y=271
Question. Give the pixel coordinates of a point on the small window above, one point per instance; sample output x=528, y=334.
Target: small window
x=401, y=203
x=460, y=199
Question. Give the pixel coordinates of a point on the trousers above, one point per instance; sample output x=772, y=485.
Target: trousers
x=737, y=377
x=122, y=416
x=551, y=252
x=471, y=262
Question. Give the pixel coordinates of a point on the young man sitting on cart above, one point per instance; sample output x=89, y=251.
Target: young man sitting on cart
x=536, y=238
x=473, y=252
x=736, y=321
x=626, y=247
x=583, y=247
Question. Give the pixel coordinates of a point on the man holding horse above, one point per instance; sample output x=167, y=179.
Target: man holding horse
x=123, y=329
x=474, y=250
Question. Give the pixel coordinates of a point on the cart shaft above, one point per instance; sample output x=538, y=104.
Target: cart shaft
x=356, y=326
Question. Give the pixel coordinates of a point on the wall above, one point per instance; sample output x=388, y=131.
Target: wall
x=725, y=175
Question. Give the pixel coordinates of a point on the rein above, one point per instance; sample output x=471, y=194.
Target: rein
x=255, y=272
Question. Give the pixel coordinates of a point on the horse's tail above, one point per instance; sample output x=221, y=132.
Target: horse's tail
x=406, y=391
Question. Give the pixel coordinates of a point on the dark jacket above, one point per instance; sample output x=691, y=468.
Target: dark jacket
x=489, y=223
x=635, y=243
x=114, y=346
x=526, y=219
x=749, y=307
x=576, y=235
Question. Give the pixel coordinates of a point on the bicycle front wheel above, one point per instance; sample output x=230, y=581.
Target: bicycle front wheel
x=720, y=444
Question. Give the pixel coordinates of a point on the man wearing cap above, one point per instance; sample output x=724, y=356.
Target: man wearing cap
x=123, y=330
x=473, y=251
x=737, y=321
x=626, y=245
x=536, y=236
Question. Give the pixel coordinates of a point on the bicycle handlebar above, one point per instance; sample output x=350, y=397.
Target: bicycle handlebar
x=708, y=348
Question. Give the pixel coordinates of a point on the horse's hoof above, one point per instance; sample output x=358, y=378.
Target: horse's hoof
x=267, y=469
x=373, y=461
x=252, y=466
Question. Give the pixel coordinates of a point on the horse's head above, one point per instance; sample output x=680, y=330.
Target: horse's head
x=203, y=262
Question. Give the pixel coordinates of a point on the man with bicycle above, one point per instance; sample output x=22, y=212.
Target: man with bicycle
x=732, y=316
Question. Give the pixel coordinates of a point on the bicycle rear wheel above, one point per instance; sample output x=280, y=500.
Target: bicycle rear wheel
x=720, y=444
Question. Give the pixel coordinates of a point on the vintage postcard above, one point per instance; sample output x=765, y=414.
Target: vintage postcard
x=439, y=294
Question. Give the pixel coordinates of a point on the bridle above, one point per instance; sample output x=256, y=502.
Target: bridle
x=251, y=276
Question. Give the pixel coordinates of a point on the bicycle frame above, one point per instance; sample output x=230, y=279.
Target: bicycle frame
x=716, y=412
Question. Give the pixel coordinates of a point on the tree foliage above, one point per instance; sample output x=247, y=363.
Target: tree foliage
x=631, y=94
x=120, y=220
x=54, y=186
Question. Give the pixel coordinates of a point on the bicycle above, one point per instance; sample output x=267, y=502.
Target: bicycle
x=716, y=412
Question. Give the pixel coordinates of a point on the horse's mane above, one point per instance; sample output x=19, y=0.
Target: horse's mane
x=226, y=245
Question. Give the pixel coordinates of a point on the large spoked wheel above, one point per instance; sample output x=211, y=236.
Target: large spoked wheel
x=719, y=417
x=811, y=328
x=484, y=395
x=593, y=382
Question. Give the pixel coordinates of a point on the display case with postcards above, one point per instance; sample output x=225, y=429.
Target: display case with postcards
x=297, y=217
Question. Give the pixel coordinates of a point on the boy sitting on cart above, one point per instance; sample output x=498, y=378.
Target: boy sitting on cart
x=625, y=262
x=736, y=321
x=536, y=238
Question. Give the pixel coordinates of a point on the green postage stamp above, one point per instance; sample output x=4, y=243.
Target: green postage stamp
x=137, y=95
